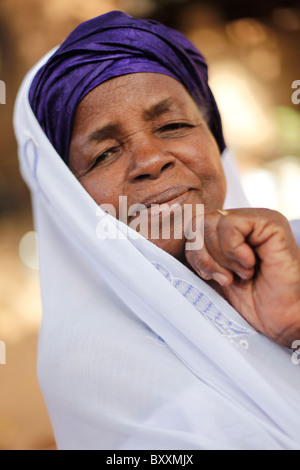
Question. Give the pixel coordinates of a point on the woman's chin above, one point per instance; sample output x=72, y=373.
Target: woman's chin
x=174, y=247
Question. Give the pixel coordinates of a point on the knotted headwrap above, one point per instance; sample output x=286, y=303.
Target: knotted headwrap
x=109, y=46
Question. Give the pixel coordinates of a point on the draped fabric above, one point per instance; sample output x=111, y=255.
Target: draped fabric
x=135, y=351
x=109, y=46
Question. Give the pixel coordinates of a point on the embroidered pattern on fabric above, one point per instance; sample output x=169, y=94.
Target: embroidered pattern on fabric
x=31, y=156
x=227, y=327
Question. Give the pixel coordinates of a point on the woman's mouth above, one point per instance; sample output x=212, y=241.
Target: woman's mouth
x=168, y=196
x=167, y=203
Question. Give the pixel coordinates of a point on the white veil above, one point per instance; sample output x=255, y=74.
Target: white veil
x=135, y=351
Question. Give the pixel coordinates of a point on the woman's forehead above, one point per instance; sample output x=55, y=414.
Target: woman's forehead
x=152, y=94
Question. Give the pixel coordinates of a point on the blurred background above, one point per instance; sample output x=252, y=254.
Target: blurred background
x=252, y=47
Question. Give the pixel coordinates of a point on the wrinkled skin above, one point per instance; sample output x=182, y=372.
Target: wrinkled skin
x=142, y=136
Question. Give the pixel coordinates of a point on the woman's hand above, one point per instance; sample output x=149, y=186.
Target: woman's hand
x=253, y=256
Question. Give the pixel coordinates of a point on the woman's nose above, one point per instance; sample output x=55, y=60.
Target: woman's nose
x=148, y=161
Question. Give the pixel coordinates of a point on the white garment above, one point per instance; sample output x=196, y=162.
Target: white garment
x=135, y=351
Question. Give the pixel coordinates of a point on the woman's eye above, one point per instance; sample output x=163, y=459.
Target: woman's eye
x=174, y=126
x=103, y=156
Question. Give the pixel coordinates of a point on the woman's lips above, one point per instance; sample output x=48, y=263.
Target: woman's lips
x=163, y=202
x=167, y=196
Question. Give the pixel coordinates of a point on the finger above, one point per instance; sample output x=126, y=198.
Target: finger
x=207, y=267
x=211, y=262
x=232, y=234
x=213, y=237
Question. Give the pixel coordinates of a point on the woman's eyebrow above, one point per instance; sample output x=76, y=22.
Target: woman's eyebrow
x=106, y=132
x=158, y=109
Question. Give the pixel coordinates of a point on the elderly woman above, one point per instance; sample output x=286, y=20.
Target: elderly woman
x=171, y=342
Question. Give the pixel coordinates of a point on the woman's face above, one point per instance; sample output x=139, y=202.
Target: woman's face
x=142, y=136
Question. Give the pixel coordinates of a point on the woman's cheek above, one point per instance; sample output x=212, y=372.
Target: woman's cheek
x=214, y=192
x=100, y=190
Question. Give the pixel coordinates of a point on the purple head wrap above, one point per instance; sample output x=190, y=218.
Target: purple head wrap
x=109, y=46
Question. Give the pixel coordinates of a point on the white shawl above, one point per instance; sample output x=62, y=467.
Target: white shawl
x=135, y=351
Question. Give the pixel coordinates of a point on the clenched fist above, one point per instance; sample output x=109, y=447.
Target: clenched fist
x=254, y=258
